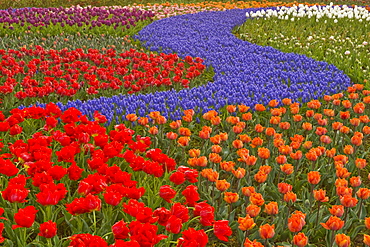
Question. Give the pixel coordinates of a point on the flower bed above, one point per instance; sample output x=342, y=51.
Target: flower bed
x=272, y=153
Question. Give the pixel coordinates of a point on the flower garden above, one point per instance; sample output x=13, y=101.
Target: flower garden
x=187, y=125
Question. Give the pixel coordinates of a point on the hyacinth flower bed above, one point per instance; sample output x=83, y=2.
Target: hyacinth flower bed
x=272, y=152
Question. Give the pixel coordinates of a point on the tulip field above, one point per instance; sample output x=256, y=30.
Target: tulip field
x=184, y=125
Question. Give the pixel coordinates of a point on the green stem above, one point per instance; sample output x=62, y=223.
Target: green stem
x=50, y=244
x=318, y=210
x=94, y=224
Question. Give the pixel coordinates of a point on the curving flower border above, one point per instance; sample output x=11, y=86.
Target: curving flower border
x=245, y=73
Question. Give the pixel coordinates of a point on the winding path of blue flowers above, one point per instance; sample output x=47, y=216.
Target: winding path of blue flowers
x=244, y=72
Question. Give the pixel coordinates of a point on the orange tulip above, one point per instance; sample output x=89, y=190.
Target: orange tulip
x=364, y=119
x=284, y=188
x=285, y=150
x=259, y=107
x=314, y=104
x=259, y=128
x=366, y=130
x=342, y=172
x=307, y=126
x=313, y=177
x=215, y=158
x=329, y=112
x=366, y=239
x=284, y=125
x=348, y=201
x=260, y=177
x=287, y=169
x=367, y=222
x=252, y=210
x=295, y=110
x=320, y=195
x=300, y=239
x=307, y=144
x=216, y=149
x=210, y=114
x=333, y=224
x=347, y=104
x=290, y=197
x=363, y=193
x=342, y=240
x=153, y=130
x=232, y=120
x=275, y=120
x=342, y=191
x=175, y=124
x=184, y=131
x=267, y=231
x=215, y=120
x=231, y=108
x=187, y=118
x=154, y=114
x=247, y=116
x=237, y=129
x=273, y=103
x=202, y=161
x=266, y=169
x=286, y=101
x=297, y=118
x=278, y=141
x=297, y=138
x=321, y=131
x=194, y=153
x=143, y=121
x=330, y=153
x=344, y=130
x=337, y=210
x=270, y=131
x=355, y=121
x=251, y=160
x=224, y=136
x=281, y=159
x=257, y=199
x=356, y=140
x=325, y=139
x=248, y=191
x=205, y=134
x=336, y=125
x=355, y=181
x=131, y=117
x=222, y=185
x=227, y=165
x=246, y=223
x=192, y=162
x=171, y=135
x=256, y=142
x=263, y=153
x=254, y=243
x=296, y=223
x=239, y=173
x=183, y=141
x=231, y=197
x=245, y=138
x=237, y=144
x=243, y=108
x=310, y=113
x=161, y=120
x=211, y=175
x=272, y=208
x=344, y=115
x=297, y=155
x=336, y=102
